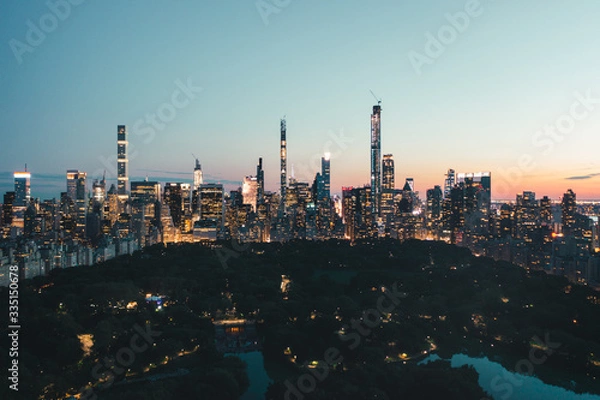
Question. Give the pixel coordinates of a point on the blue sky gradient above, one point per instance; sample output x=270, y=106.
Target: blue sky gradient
x=477, y=107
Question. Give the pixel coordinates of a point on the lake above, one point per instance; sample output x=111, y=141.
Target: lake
x=506, y=385
x=259, y=380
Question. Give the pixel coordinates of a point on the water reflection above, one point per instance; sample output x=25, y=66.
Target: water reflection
x=506, y=385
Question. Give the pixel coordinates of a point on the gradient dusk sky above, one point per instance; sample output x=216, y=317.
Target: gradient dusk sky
x=481, y=105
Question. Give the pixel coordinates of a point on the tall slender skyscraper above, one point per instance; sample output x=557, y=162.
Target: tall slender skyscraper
x=283, y=155
x=122, y=161
x=326, y=173
x=260, y=177
x=198, y=176
x=22, y=188
x=376, y=159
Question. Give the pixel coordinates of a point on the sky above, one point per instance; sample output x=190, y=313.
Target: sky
x=494, y=85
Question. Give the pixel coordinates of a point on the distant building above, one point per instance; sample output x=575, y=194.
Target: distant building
x=145, y=210
x=76, y=191
x=122, y=161
x=376, y=159
x=211, y=207
x=22, y=188
x=250, y=191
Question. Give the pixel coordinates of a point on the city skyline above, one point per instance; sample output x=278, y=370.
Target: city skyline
x=122, y=180
x=468, y=110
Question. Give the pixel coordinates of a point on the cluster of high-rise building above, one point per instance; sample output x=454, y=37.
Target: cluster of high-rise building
x=91, y=223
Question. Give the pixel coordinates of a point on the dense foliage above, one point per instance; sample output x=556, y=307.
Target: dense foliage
x=447, y=301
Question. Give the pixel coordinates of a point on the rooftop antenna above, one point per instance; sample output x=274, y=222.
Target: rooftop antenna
x=197, y=161
x=376, y=98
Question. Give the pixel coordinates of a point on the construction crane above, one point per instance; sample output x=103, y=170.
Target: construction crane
x=376, y=98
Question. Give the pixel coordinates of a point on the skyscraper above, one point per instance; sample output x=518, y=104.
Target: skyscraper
x=322, y=193
x=326, y=174
x=376, y=159
x=449, y=182
x=76, y=191
x=434, y=204
x=173, y=199
x=22, y=188
x=569, y=209
x=349, y=204
x=99, y=190
x=76, y=184
x=388, y=172
x=7, y=209
x=145, y=209
x=526, y=216
x=122, y=161
x=387, y=194
x=250, y=191
x=211, y=205
x=260, y=177
x=198, y=176
x=283, y=156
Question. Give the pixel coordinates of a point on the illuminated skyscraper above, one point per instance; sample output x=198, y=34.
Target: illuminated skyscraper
x=526, y=212
x=145, y=209
x=211, y=208
x=569, y=209
x=322, y=196
x=122, y=162
x=387, y=193
x=198, y=176
x=376, y=159
x=434, y=205
x=99, y=190
x=22, y=188
x=7, y=210
x=388, y=181
x=283, y=156
x=76, y=191
x=480, y=190
x=326, y=174
x=546, y=211
x=76, y=184
x=250, y=191
x=349, y=206
x=449, y=182
x=260, y=178
x=186, y=196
